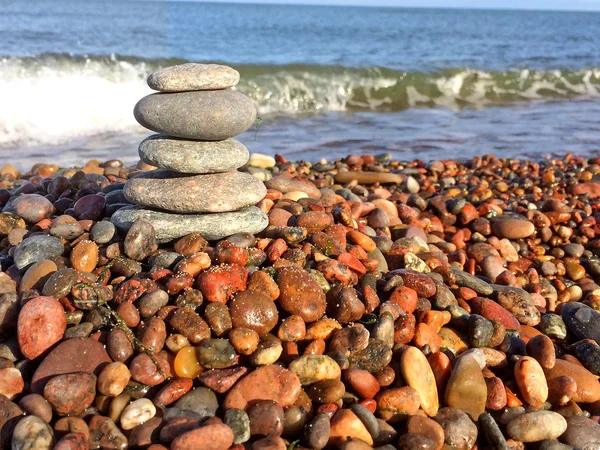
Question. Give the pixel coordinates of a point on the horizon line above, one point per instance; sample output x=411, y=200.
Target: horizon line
x=330, y=3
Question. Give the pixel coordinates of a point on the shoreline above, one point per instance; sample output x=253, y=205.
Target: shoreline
x=387, y=305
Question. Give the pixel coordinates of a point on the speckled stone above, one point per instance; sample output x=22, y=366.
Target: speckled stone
x=37, y=248
x=202, y=115
x=193, y=156
x=193, y=77
x=169, y=226
x=209, y=193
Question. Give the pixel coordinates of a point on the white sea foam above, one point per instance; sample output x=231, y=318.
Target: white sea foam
x=57, y=99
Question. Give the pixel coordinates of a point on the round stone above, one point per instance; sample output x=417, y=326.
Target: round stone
x=536, y=426
x=313, y=368
x=512, y=228
x=170, y=226
x=202, y=115
x=136, y=413
x=41, y=324
x=32, y=433
x=71, y=394
x=300, y=294
x=216, y=353
x=196, y=157
x=31, y=207
x=193, y=77
x=102, y=232
x=253, y=311
x=172, y=191
x=37, y=248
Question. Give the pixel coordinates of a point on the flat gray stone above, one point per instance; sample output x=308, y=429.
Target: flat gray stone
x=182, y=193
x=169, y=226
x=193, y=156
x=193, y=77
x=37, y=248
x=202, y=115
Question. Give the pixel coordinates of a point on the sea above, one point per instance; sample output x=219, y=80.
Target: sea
x=328, y=81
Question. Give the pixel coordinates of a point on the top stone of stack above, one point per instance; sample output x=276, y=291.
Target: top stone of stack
x=195, y=102
x=193, y=77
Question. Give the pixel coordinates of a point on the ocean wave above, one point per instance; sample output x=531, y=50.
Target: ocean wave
x=51, y=98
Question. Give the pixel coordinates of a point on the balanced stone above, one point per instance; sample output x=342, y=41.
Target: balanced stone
x=193, y=156
x=203, y=115
x=169, y=226
x=193, y=77
x=171, y=191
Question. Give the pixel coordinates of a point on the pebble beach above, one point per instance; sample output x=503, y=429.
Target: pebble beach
x=388, y=304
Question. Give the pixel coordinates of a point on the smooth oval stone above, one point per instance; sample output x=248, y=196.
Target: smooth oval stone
x=265, y=383
x=201, y=400
x=140, y=241
x=197, y=157
x=31, y=207
x=193, y=77
x=209, y=437
x=73, y=355
x=238, y=421
x=418, y=375
x=512, y=228
x=216, y=353
x=531, y=381
x=171, y=191
x=41, y=324
x=582, y=432
x=202, y=115
x=466, y=389
x=170, y=226
x=582, y=321
x=32, y=433
x=587, y=383
x=536, y=426
x=313, y=368
x=316, y=434
x=136, y=413
x=37, y=248
x=460, y=432
x=102, y=232
x=300, y=294
x=71, y=394
x=369, y=177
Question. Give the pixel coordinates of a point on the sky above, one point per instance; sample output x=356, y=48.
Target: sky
x=558, y=5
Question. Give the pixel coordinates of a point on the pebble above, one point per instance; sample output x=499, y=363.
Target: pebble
x=466, y=389
x=31, y=207
x=71, y=394
x=239, y=422
x=207, y=193
x=170, y=226
x=137, y=413
x=300, y=294
x=209, y=437
x=536, y=426
x=582, y=432
x=459, y=431
x=73, y=355
x=253, y=311
x=198, y=115
x=103, y=232
x=587, y=383
x=512, y=228
x=346, y=425
x=194, y=157
x=193, y=77
x=265, y=383
x=313, y=368
x=32, y=433
x=37, y=248
x=41, y=324
x=582, y=321
x=316, y=434
x=140, y=241
x=418, y=374
x=531, y=381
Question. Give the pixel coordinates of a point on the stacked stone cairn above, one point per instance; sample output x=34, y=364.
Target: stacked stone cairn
x=197, y=187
